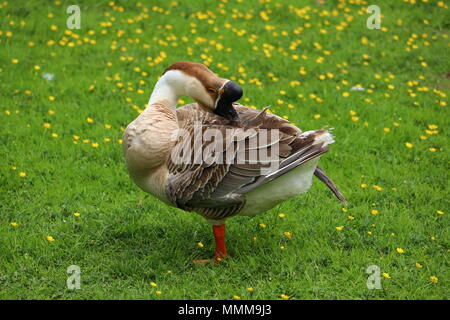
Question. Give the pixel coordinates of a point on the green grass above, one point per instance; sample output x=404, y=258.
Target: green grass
x=125, y=239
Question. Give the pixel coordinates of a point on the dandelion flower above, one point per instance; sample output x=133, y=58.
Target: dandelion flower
x=434, y=279
x=281, y=215
x=14, y=224
x=339, y=228
x=409, y=145
x=288, y=235
x=50, y=239
x=22, y=174
x=200, y=245
x=374, y=212
x=400, y=250
x=77, y=214
x=386, y=275
x=152, y=284
x=236, y=298
x=418, y=265
x=284, y=296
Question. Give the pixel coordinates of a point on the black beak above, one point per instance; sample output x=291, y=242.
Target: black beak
x=231, y=93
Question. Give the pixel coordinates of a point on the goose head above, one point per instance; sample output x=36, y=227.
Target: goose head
x=201, y=84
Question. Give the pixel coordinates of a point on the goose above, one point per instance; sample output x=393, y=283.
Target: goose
x=220, y=180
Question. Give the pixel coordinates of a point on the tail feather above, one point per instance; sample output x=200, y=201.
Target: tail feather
x=324, y=178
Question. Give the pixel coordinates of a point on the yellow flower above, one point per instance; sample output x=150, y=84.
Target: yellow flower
x=153, y=284
x=351, y=218
x=439, y=212
x=284, y=296
x=400, y=250
x=409, y=144
x=378, y=188
x=51, y=98
x=374, y=212
x=250, y=289
x=281, y=215
x=158, y=292
x=47, y=125
x=434, y=279
x=95, y=144
x=386, y=129
x=386, y=275
x=317, y=116
x=22, y=174
x=200, y=245
x=77, y=214
x=14, y=224
x=89, y=120
x=262, y=225
x=363, y=185
x=418, y=265
x=288, y=235
x=15, y=61
x=54, y=135
x=345, y=94
x=50, y=239
x=236, y=298
x=339, y=228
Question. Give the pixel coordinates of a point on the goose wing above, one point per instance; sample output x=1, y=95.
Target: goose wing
x=216, y=189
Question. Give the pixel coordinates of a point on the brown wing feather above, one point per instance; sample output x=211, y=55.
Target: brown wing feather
x=217, y=191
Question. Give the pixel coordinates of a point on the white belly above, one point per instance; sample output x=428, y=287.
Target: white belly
x=287, y=186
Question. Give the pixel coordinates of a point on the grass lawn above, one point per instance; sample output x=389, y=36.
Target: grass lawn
x=66, y=198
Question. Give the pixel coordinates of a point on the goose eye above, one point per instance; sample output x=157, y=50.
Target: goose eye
x=212, y=90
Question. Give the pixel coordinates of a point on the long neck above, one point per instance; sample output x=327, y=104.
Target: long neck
x=169, y=87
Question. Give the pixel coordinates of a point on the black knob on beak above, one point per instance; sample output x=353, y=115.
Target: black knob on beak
x=224, y=107
x=232, y=92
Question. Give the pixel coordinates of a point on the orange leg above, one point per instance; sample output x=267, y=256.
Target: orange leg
x=219, y=236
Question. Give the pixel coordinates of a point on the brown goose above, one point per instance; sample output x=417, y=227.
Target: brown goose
x=216, y=157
